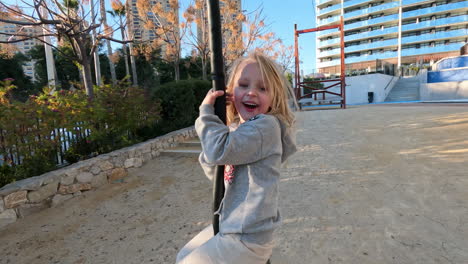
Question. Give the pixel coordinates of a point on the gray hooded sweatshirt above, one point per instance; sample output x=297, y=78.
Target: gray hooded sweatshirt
x=256, y=150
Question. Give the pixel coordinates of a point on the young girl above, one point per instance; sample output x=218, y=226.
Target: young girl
x=252, y=148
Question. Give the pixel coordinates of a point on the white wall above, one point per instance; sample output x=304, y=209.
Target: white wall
x=441, y=90
x=444, y=91
x=357, y=87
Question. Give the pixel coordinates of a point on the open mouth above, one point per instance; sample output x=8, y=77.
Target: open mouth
x=250, y=105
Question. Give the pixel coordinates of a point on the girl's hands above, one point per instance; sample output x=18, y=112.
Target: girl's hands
x=211, y=96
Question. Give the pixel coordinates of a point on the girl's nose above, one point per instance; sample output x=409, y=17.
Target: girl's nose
x=251, y=92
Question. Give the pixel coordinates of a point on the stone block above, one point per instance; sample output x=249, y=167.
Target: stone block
x=2, y=205
x=106, y=165
x=131, y=152
x=84, y=177
x=15, y=199
x=52, y=176
x=133, y=162
x=119, y=161
x=31, y=208
x=145, y=148
x=32, y=183
x=59, y=198
x=69, y=189
x=95, y=170
x=99, y=180
x=7, y=217
x=159, y=145
x=66, y=180
x=43, y=193
x=117, y=174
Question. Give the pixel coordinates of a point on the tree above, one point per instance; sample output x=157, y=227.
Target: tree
x=197, y=34
x=118, y=10
x=163, y=22
x=242, y=33
x=68, y=22
x=108, y=31
x=11, y=68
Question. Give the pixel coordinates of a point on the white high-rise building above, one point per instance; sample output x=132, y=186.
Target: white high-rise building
x=401, y=32
x=10, y=30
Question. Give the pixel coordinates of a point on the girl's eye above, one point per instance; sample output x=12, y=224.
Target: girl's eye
x=263, y=89
x=242, y=85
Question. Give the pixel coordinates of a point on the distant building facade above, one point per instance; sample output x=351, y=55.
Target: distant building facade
x=393, y=32
x=10, y=30
x=135, y=23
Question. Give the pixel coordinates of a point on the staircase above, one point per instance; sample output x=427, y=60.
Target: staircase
x=189, y=148
x=406, y=89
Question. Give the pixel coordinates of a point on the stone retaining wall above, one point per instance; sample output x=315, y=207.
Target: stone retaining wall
x=31, y=195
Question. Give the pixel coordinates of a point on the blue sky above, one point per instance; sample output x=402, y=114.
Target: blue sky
x=281, y=15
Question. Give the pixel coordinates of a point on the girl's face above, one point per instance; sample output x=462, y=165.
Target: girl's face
x=251, y=96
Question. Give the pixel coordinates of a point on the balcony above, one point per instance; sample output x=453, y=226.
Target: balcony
x=355, y=2
x=371, y=10
x=373, y=33
x=413, y=2
x=329, y=20
x=328, y=63
x=321, y=2
x=374, y=21
x=333, y=31
x=434, y=23
x=435, y=9
x=429, y=50
x=329, y=42
x=372, y=45
x=435, y=36
x=329, y=53
x=329, y=9
x=375, y=56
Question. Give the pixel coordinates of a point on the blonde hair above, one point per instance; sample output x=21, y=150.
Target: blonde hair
x=274, y=80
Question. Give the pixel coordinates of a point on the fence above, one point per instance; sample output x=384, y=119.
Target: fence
x=29, y=140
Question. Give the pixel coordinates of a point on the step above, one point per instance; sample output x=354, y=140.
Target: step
x=190, y=143
x=181, y=151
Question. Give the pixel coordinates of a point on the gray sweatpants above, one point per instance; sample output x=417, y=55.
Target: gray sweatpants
x=205, y=248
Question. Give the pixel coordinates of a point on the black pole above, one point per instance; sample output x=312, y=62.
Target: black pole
x=217, y=75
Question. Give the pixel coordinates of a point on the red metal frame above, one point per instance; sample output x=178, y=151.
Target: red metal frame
x=323, y=91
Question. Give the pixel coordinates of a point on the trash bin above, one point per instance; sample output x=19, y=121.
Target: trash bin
x=370, y=97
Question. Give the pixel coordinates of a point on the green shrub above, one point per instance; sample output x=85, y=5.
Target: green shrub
x=179, y=103
x=113, y=118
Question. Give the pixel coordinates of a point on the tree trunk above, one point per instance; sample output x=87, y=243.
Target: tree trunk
x=87, y=77
x=176, y=71
x=124, y=47
x=132, y=62
x=204, y=64
x=102, y=7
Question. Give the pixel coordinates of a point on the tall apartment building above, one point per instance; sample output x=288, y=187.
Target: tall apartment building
x=10, y=30
x=399, y=32
x=135, y=23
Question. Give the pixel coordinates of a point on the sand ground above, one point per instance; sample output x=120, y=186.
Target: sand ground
x=370, y=184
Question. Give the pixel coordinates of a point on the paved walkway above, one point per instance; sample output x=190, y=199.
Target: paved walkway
x=370, y=184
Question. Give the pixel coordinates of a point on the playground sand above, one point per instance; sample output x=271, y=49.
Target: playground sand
x=370, y=184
